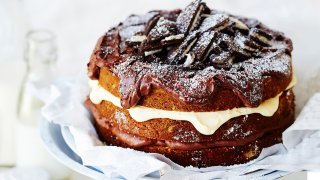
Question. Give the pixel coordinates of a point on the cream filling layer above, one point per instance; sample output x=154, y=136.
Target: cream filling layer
x=205, y=122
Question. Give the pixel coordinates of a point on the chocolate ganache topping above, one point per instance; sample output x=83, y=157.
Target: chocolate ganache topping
x=191, y=53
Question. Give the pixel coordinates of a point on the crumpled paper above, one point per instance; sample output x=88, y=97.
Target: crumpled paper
x=64, y=105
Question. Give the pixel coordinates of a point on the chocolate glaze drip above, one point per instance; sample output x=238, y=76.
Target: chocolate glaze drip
x=191, y=54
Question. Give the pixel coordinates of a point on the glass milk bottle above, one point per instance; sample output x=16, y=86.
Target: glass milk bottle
x=40, y=56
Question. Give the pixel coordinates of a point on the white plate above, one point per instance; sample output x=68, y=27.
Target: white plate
x=55, y=144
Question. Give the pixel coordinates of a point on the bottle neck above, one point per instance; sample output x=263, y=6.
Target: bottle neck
x=40, y=55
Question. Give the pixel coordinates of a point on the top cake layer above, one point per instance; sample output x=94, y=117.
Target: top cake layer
x=195, y=55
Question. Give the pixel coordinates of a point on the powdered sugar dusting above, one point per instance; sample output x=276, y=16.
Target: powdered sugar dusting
x=232, y=129
x=182, y=135
x=120, y=117
x=130, y=31
x=214, y=21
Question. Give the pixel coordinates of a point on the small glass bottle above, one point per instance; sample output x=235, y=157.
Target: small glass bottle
x=40, y=56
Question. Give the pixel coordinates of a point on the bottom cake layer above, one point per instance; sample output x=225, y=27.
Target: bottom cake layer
x=201, y=153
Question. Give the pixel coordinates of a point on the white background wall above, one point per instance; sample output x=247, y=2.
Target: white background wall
x=78, y=23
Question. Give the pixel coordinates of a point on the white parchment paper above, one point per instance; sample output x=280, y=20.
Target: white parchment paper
x=64, y=105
